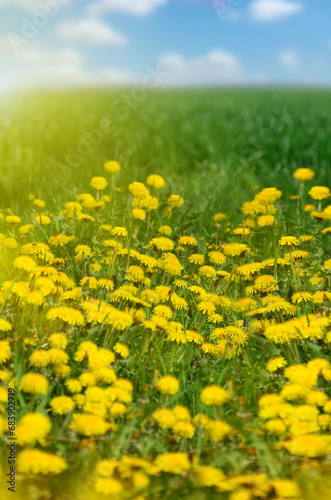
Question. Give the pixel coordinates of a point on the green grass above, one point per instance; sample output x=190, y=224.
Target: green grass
x=217, y=149
x=199, y=138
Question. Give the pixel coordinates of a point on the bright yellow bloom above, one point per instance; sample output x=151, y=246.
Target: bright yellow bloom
x=119, y=231
x=275, y=363
x=39, y=462
x=289, y=241
x=309, y=445
x=62, y=405
x=175, y=201
x=5, y=351
x=98, y=183
x=122, y=349
x=5, y=326
x=265, y=283
x=24, y=262
x=207, y=476
x=214, y=395
x=108, y=486
x=139, y=213
x=89, y=425
x=319, y=193
x=32, y=428
x=58, y=340
x=168, y=385
x=175, y=463
x=34, y=383
x=304, y=174
x=44, y=220
x=155, y=181
x=66, y=314
x=266, y=220
x=112, y=167
x=235, y=249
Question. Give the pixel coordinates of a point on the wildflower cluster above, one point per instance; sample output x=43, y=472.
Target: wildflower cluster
x=139, y=344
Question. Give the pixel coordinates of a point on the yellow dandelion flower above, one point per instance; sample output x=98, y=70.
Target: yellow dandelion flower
x=166, y=230
x=319, y=193
x=235, y=249
x=207, y=476
x=38, y=462
x=165, y=418
x=13, y=219
x=175, y=201
x=268, y=196
x=304, y=174
x=275, y=363
x=168, y=385
x=309, y=445
x=207, y=272
x=266, y=220
x=44, y=220
x=155, y=181
x=275, y=426
x=122, y=349
x=5, y=351
x=32, y=428
x=214, y=395
x=58, y=340
x=34, y=383
x=39, y=203
x=183, y=429
x=112, y=167
x=289, y=241
x=265, y=283
x=5, y=326
x=139, y=213
x=301, y=297
x=89, y=425
x=216, y=257
x=27, y=228
x=39, y=358
x=174, y=463
x=98, y=183
x=139, y=190
x=24, y=262
x=108, y=486
x=187, y=241
x=66, y=314
x=9, y=243
x=62, y=405
x=217, y=430
x=73, y=385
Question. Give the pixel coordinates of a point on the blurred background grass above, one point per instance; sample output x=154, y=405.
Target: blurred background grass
x=207, y=142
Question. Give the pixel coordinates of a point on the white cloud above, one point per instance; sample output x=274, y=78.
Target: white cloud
x=273, y=10
x=133, y=7
x=289, y=59
x=36, y=68
x=215, y=68
x=90, y=32
x=32, y=54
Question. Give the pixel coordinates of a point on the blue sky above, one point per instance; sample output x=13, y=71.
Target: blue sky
x=188, y=42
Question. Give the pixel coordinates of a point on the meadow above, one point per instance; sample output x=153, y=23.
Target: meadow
x=165, y=295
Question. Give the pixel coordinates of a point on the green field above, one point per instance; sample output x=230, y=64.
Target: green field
x=199, y=139
x=166, y=338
